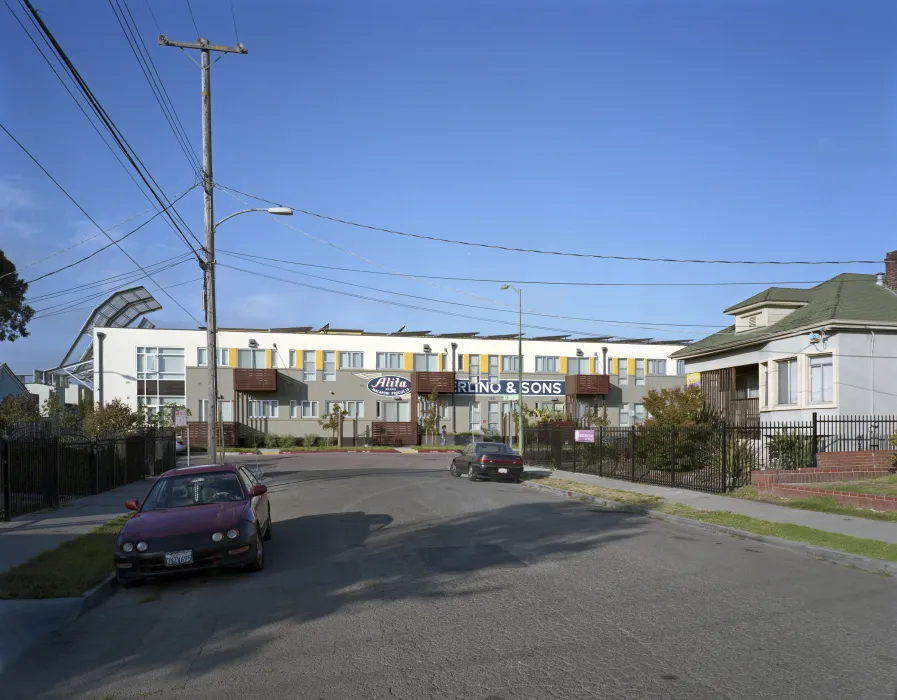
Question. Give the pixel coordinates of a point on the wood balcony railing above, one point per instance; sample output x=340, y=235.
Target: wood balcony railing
x=426, y=382
x=587, y=384
x=396, y=434
x=255, y=380
x=199, y=430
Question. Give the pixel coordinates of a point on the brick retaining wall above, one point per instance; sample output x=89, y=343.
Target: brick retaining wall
x=814, y=475
x=868, y=501
x=867, y=459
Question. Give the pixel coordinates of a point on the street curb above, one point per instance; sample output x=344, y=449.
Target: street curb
x=834, y=556
x=341, y=452
x=97, y=595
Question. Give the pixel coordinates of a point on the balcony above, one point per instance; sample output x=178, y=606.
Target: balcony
x=587, y=384
x=426, y=382
x=393, y=434
x=255, y=380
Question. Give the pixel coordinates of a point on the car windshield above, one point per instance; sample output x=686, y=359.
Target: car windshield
x=194, y=490
x=494, y=448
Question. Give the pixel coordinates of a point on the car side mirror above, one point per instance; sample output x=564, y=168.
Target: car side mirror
x=132, y=505
x=258, y=490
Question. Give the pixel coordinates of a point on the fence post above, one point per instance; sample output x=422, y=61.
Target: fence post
x=601, y=450
x=632, y=449
x=672, y=455
x=4, y=477
x=95, y=465
x=575, y=445
x=815, y=438
x=725, y=460
x=54, y=473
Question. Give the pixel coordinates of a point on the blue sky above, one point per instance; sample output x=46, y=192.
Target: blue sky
x=736, y=130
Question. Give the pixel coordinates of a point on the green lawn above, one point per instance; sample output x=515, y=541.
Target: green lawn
x=874, y=549
x=880, y=485
x=67, y=571
x=821, y=504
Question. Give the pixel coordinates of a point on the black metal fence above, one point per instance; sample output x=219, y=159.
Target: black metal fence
x=38, y=471
x=705, y=458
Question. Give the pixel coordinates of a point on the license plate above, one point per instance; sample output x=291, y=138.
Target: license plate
x=502, y=470
x=179, y=558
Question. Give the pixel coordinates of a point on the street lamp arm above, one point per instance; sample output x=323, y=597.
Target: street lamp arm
x=278, y=211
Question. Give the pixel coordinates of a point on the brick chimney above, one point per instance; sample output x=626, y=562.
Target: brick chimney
x=891, y=270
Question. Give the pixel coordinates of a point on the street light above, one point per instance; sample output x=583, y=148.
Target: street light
x=212, y=330
x=519, y=365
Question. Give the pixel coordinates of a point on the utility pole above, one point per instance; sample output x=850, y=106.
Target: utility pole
x=208, y=185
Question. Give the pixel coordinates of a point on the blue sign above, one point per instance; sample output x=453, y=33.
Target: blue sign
x=390, y=385
x=534, y=387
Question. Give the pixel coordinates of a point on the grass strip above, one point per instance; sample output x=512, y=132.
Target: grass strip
x=69, y=570
x=873, y=549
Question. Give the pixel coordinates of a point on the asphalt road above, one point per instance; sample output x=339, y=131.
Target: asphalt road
x=388, y=578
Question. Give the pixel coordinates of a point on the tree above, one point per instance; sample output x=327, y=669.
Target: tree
x=115, y=417
x=595, y=416
x=19, y=408
x=680, y=407
x=430, y=414
x=68, y=416
x=333, y=420
x=14, y=312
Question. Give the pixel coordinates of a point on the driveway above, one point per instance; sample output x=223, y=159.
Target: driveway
x=388, y=578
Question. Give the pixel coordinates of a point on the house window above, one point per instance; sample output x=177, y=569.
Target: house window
x=223, y=357
x=509, y=363
x=351, y=360
x=225, y=408
x=425, y=362
x=625, y=417
x=309, y=371
x=548, y=364
x=493, y=368
x=622, y=371
x=577, y=365
x=161, y=378
x=329, y=365
x=394, y=411
x=787, y=370
x=657, y=367
x=263, y=409
x=640, y=373
x=353, y=409
x=444, y=409
x=201, y=410
x=764, y=380
x=390, y=360
x=493, y=416
x=639, y=411
x=308, y=409
x=474, y=368
x=202, y=357
x=680, y=368
x=250, y=358
x=821, y=379
x=460, y=362
x=475, y=418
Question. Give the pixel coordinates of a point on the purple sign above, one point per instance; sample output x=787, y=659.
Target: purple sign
x=585, y=436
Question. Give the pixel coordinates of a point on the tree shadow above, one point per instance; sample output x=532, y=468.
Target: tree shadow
x=317, y=566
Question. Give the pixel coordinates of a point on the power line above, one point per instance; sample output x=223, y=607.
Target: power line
x=192, y=18
x=542, y=282
x=153, y=15
x=81, y=209
x=119, y=138
x=537, y=251
x=234, y=17
x=646, y=325
x=100, y=250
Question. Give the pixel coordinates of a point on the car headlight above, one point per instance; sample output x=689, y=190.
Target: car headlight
x=142, y=546
x=233, y=534
x=217, y=537
x=127, y=547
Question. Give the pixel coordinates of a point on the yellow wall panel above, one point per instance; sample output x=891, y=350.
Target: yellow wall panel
x=563, y=365
x=615, y=366
x=593, y=365
x=630, y=366
x=299, y=358
x=232, y=357
x=484, y=364
x=319, y=359
x=409, y=361
x=268, y=358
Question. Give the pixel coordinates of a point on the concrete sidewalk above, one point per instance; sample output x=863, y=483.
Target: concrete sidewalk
x=24, y=623
x=845, y=525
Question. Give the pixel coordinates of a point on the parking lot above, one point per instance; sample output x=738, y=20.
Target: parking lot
x=388, y=578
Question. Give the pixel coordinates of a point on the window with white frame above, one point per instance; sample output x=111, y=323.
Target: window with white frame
x=351, y=360
x=548, y=364
x=251, y=358
x=764, y=384
x=308, y=409
x=161, y=377
x=510, y=363
x=309, y=371
x=444, y=409
x=226, y=409
x=622, y=371
x=202, y=357
x=787, y=371
x=577, y=365
x=390, y=360
x=639, y=413
x=657, y=367
x=474, y=368
x=475, y=419
x=223, y=357
x=293, y=359
x=460, y=362
x=353, y=409
x=493, y=416
x=263, y=409
x=493, y=368
x=425, y=362
x=680, y=368
x=625, y=414
x=329, y=366
x=821, y=379
x=394, y=411
x=640, y=373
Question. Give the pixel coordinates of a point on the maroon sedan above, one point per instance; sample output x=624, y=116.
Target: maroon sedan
x=195, y=518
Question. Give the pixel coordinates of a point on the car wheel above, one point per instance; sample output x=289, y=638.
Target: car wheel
x=454, y=470
x=269, y=531
x=259, y=562
x=471, y=473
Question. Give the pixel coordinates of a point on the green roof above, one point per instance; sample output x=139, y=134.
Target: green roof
x=847, y=298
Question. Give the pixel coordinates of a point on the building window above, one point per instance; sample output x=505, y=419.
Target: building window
x=444, y=409
x=161, y=378
x=475, y=419
x=309, y=372
x=657, y=367
x=424, y=362
x=787, y=370
x=226, y=409
x=821, y=379
x=351, y=360
x=639, y=413
x=251, y=358
x=329, y=365
x=680, y=368
x=640, y=373
x=394, y=411
x=390, y=360
x=353, y=409
x=263, y=409
x=460, y=362
x=548, y=364
x=493, y=368
x=510, y=363
x=202, y=357
x=622, y=371
x=493, y=417
x=293, y=358
x=308, y=409
x=625, y=417
x=764, y=380
x=201, y=411
x=474, y=368
x=577, y=365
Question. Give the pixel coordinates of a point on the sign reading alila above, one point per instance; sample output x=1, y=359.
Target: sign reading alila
x=390, y=385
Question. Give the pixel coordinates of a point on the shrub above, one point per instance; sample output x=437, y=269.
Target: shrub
x=790, y=449
x=287, y=441
x=739, y=459
x=309, y=439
